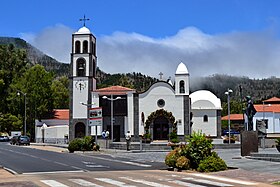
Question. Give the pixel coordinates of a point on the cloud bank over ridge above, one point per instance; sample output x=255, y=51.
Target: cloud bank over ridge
x=252, y=54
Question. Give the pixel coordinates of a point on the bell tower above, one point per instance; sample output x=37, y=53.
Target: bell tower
x=82, y=80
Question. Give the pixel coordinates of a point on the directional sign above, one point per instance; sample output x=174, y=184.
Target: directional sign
x=95, y=116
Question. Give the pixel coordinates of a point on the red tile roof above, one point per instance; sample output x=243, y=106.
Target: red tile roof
x=268, y=108
x=233, y=117
x=114, y=90
x=61, y=114
x=273, y=99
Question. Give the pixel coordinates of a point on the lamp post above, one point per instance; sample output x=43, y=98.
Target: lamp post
x=112, y=113
x=228, y=92
x=24, y=94
x=89, y=105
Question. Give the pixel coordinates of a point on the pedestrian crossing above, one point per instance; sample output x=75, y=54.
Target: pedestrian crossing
x=127, y=181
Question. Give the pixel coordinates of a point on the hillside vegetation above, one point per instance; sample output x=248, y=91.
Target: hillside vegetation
x=259, y=89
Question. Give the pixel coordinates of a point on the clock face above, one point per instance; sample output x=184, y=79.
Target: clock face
x=81, y=85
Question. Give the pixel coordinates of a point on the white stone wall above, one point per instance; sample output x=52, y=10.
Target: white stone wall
x=54, y=134
x=210, y=127
x=148, y=104
x=79, y=110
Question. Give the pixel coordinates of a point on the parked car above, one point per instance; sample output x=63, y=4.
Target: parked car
x=23, y=140
x=232, y=132
x=4, y=138
x=14, y=140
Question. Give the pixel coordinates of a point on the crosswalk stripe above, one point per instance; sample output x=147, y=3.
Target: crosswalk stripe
x=185, y=183
x=53, y=183
x=114, y=182
x=207, y=181
x=83, y=182
x=224, y=179
x=145, y=182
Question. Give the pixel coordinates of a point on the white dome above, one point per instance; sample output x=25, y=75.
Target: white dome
x=182, y=69
x=83, y=30
x=204, y=99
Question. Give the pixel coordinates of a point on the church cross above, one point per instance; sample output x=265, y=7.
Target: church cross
x=84, y=20
x=160, y=75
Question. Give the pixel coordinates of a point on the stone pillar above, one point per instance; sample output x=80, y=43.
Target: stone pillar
x=249, y=142
x=187, y=107
x=136, y=117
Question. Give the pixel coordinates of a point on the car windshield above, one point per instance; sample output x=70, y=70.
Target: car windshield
x=24, y=138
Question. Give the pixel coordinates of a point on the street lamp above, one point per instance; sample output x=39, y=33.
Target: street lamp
x=228, y=92
x=112, y=114
x=89, y=105
x=264, y=106
x=24, y=94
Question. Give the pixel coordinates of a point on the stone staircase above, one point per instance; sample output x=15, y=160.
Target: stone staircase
x=272, y=157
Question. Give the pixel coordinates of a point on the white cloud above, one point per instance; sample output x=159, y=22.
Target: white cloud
x=252, y=54
x=54, y=41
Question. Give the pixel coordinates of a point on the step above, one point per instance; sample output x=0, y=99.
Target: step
x=270, y=155
x=271, y=159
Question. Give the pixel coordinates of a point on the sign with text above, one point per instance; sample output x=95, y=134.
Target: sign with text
x=95, y=116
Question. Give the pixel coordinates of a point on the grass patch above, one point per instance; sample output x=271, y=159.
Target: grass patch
x=276, y=183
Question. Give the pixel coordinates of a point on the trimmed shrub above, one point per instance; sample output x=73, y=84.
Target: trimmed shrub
x=171, y=158
x=212, y=163
x=199, y=148
x=183, y=163
x=87, y=144
x=75, y=145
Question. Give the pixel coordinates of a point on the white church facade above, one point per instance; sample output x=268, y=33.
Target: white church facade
x=157, y=111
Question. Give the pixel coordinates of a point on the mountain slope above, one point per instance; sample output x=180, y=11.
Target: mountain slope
x=35, y=56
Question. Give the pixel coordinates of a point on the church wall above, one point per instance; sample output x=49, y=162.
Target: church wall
x=210, y=127
x=174, y=104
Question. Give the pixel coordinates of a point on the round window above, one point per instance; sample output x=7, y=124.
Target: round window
x=161, y=103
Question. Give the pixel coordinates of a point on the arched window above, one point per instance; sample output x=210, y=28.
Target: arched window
x=205, y=118
x=182, y=87
x=85, y=46
x=81, y=67
x=77, y=47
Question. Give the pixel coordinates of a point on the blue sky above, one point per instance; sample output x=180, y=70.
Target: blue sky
x=148, y=36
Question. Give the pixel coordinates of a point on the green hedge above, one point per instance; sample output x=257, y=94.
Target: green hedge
x=82, y=144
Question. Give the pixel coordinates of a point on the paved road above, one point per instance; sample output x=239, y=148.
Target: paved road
x=249, y=170
x=23, y=159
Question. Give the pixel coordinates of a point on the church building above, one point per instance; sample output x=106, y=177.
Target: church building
x=163, y=108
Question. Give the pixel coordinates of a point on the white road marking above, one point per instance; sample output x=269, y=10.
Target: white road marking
x=207, y=181
x=184, y=183
x=53, y=183
x=114, y=182
x=120, y=161
x=97, y=166
x=52, y=172
x=223, y=179
x=144, y=182
x=60, y=163
x=83, y=182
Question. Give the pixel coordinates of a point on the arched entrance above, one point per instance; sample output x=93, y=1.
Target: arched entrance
x=80, y=130
x=161, y=128
x=160, y=124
